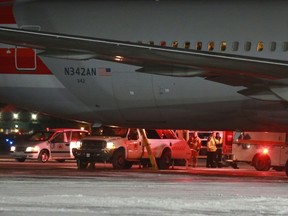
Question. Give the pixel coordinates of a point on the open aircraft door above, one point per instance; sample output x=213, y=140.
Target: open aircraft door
x=25, y=58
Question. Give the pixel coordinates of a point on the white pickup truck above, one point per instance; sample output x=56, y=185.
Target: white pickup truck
x=124, y=146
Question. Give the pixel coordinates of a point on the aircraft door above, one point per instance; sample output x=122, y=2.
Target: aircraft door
x=60, y=146
x=134, y=144
x=25, y=58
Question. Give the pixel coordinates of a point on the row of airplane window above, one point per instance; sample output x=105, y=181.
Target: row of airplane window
x=235, y=46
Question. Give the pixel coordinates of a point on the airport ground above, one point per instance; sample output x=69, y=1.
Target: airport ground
x=33, y=188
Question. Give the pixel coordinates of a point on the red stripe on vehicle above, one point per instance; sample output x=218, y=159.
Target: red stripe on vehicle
x=23, y=60
x=6, y=12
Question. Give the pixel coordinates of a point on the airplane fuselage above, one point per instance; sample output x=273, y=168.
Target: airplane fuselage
x=114, y=93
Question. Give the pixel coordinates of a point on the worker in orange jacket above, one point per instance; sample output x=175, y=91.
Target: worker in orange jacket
x=194, y=143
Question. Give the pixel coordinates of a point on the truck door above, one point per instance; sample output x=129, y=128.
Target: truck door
x=134, y=144
x=60, y=146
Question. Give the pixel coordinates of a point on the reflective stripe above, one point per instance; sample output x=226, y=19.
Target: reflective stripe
x=7, y=63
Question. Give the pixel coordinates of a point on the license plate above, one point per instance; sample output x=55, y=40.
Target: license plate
x=87, y=154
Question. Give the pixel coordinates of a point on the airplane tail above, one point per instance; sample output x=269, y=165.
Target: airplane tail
x=6, y=12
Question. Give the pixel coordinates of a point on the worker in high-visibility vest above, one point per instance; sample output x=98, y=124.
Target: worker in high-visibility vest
x=194, y=143
x=211, y=151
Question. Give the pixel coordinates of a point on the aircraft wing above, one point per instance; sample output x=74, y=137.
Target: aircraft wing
x=225, y=68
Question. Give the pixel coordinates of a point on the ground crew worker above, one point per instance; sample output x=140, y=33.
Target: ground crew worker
x=194, y=143
x=211, y=151
x=219, y=144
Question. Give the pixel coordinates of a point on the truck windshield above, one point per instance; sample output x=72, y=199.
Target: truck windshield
x=41, y=136
x=110, y=131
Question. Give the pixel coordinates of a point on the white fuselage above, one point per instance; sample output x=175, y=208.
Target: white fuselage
x=129, y=98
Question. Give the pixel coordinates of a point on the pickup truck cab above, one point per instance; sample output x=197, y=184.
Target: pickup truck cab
x=56, y=144
x=124, y=146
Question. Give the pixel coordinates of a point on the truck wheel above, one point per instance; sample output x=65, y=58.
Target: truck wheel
x=20, y=159
x=262, y=163
x=286, y=168
x=82, y=164
x=118, y=160
x=43, y=156
x=164, y=162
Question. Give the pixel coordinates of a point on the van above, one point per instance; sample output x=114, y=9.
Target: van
x=53, y=144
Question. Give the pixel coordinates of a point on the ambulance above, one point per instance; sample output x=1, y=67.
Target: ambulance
x=263, y=150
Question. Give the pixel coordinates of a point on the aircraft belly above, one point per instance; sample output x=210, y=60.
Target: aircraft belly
x=135, y=98
x=118, y=94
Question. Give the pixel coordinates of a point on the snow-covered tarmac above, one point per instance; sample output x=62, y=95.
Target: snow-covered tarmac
x=142, y=194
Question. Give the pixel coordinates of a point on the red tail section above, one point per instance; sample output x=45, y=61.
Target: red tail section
x=6, y=12
x=23, y=61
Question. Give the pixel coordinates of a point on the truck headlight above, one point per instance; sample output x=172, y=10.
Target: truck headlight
x=32, y=149
x=110, y=145
x=78, y=144
x=12, y=148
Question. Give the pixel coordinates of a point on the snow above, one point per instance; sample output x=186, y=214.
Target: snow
x=144, y=194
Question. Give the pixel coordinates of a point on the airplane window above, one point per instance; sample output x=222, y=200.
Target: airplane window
x=199, y=45
x=187, y=45
x=163, y=43
x=151, y=42
x=223, y=46
x=285, y=46
x=235, y=46
x=273, y=46
x=260, y=46
x=211, y=46
x=248, y=45
x=175, y=44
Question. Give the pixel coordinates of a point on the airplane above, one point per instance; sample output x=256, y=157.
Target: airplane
x=205, y=65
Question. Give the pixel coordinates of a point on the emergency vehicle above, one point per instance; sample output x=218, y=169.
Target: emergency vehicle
x=54, y=144
x=124, y=147
x=263, y=150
